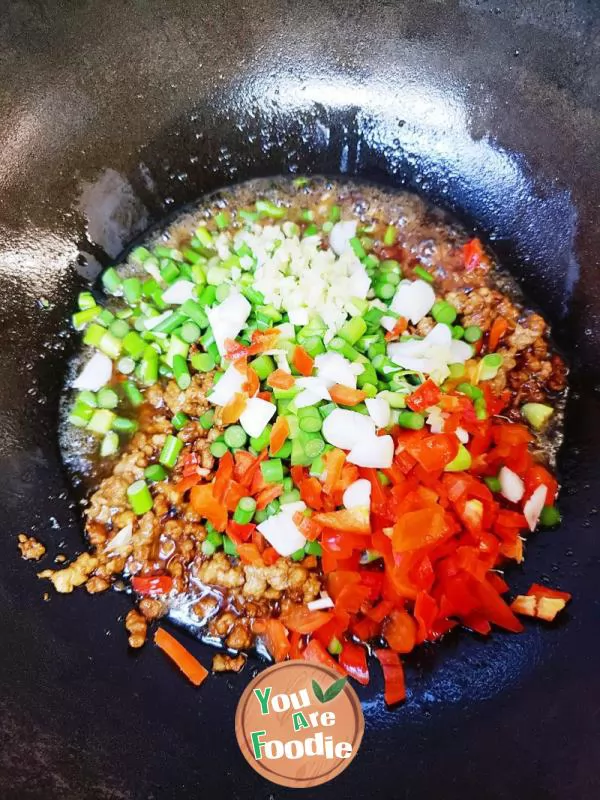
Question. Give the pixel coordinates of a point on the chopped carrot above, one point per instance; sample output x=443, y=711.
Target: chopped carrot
x=252, y=384
x=307, y=526
x=397, y=331
x=276, y=639
x=302, y=361
x=270, y=556
x=279, y=433
x=233, y=410
x=311, y=493
x=352, y=520
x=345, y=396
x=223, y=476
x=206, y=505
x=186, y=483
x=249, y=553
x=280, y=379
x=248, y=478
x=298, y=617
x=187, y=663
x=334, y=462
x=267, y=495
x=497, y=331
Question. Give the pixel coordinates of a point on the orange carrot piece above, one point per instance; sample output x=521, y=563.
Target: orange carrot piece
x=276, y=639
x=334, y=463
x=223, y=476
x=249, y=553
x=252, y=384
x=345, y=396
x=497, y=331
x=186, y=483
x=279, y=433
x=187, y=663
x=397, y=331
x=302, y=361
x=267, y=495
x=233, y=410
x=280, y=379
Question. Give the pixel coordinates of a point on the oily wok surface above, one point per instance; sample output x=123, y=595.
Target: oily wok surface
x=114, y=115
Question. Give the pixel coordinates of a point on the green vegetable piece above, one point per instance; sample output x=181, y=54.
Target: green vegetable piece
x=460, y=462
x=139, y=497
x=537, y=414
x=550, y=516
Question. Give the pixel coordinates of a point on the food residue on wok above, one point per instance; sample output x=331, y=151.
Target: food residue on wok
x=320, y=415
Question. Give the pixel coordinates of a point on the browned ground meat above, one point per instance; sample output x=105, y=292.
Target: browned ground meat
x=30, y=548
x=530, y=370
x=223, y=663
x=137, y=628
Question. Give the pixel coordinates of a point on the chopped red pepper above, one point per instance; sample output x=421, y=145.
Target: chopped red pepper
x=152, y=584
x=353, y=659
x=428, y=394
x=393, y=675
x=314, y=651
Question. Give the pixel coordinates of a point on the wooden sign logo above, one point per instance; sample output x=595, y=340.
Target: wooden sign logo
x=299, y=724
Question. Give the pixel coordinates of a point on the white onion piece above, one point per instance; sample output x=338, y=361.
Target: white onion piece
x=360, y=283
x=460, y=351
x=462, y=435
x=358, y=494
x=511, y=486
x=340, y=235
x=286, y=330
x=435, y=420
x=230, y=383
x=320, y=604
x=282, y=534
x=120, y=542
x=334, y=368
x=96, y=373
x=179, y=292
x=344, y=429
x=314, y=386
x=228, y=318
x=379, y=411
x=291, y=508
x=431, y=354
x=413, y=300
x=256, y=415
x=376, y=452
x=306, y=399
x=534, y=505
x=298, y=316
x=153, y=322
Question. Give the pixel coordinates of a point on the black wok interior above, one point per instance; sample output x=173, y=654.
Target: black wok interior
x=114, y=114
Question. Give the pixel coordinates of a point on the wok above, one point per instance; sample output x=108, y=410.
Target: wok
x=115, y=113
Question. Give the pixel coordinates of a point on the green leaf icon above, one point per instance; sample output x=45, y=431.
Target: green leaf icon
x=331, y=693
x=335, y=688
x=318, y=692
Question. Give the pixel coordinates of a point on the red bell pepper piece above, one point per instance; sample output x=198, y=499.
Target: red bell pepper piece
x=152, y=584
x=393, y=675
x=314, y=651
x=299, y=618
x=400, y=631
x=353, y=659
x=428, y=394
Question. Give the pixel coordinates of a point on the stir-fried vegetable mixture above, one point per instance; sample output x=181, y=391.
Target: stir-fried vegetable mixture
x=325, y=428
